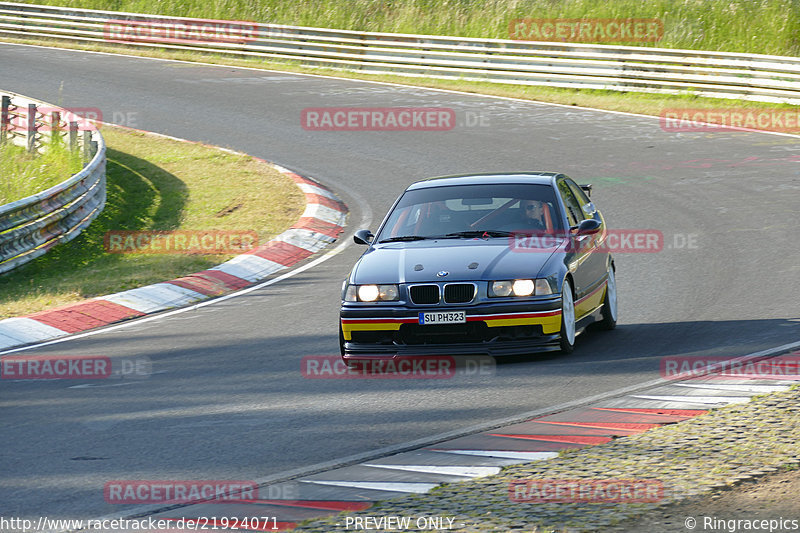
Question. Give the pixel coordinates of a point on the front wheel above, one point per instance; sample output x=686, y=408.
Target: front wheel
x=567, y=341
x=609, y=312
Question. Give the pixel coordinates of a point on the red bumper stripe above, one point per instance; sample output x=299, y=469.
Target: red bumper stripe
x=602, y=286
x=470, y=318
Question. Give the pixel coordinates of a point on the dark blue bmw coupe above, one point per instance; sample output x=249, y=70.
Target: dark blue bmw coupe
x=480, y=264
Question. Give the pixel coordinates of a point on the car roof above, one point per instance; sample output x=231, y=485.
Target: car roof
x=537, y=178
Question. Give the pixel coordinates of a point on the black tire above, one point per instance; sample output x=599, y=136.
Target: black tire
x=609, y=312
x=567, y=333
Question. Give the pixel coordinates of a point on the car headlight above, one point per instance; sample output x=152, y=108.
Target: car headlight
x=371, y=293
x=500, y=288
x=522, y=287
x=368, y=293
x=519, y=287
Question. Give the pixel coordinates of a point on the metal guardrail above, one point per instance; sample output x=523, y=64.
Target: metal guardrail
x=31, y=226
x=587, y=66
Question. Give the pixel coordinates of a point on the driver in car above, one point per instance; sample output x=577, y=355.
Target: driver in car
x=532, y=215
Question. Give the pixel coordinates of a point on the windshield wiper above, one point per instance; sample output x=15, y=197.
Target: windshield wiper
x=404, y=238
x=478, y=233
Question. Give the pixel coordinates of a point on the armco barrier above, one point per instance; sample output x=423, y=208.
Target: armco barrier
x=31, y=226
x=574, y=65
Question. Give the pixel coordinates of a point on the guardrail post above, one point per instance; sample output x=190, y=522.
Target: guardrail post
x=87, y=145
x=73, y=136
x=31, y=127
x=5, y=118
x=55, y=127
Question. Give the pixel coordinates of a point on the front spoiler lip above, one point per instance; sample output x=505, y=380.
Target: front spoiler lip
x=546, y=343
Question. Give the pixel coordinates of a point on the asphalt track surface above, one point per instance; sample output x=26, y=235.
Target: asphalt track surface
x=227, y=400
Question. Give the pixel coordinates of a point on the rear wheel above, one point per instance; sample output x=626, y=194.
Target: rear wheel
x=567, y=341
x=609, y=312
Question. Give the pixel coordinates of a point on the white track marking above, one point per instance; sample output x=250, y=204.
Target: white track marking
x=696, y=399
x=505, y=454
x=464, y=471
x=397, y=486
x=755, y=389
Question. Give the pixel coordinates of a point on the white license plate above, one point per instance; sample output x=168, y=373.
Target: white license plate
x=443, y=317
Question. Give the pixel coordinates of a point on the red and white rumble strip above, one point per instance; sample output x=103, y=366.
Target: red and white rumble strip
x=320, y=225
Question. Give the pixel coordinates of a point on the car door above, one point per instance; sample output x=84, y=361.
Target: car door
x=582, y=257
x=596, y=263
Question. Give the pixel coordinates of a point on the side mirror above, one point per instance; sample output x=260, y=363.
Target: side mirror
x=590, y=226
x=363, y=236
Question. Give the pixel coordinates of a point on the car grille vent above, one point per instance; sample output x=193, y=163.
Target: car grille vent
x=425, y=294
x=459, y=293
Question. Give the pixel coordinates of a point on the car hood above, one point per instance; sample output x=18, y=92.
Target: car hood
x=464, y=260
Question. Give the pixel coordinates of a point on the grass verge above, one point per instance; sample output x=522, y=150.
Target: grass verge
x=23, y=174
x=155, y=183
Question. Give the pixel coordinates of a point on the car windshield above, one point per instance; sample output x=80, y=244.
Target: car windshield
x=468, y=211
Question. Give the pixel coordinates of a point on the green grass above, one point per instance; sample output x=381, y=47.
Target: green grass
x=753, y=26
x=155, y=184
x=23, y=174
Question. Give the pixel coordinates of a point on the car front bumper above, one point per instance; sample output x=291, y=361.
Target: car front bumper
x=503, y=328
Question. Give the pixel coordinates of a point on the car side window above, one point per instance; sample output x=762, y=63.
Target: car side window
x=574, y=212
x=587, y=206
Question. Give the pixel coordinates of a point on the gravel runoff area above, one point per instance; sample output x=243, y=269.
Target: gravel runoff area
x=691, y=461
